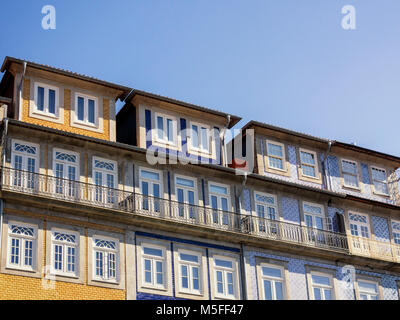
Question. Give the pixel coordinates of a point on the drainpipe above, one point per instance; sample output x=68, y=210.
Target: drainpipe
x=3, y=138
x=326, y=169
x=242, y=263
x=20, y=86
x=222, y=138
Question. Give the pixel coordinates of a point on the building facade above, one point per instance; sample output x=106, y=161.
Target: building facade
x=146, y=204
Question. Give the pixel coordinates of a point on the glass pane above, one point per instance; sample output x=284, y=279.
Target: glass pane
x=224, y=204
x=204, y=138
x=195, y=136
x=349, y=167
x=180, y=195
x=275, y=163
x=153, y=251
x=279, y=290
x=81, y=108
x=328, y=294
x=317, y=279
x=367, y=286
x=149, y=175
x=185, y=182
x=317, y=294
x=272, y=272
x=189, y=257
x=170, y=130
x=218, y=189
x=160, y=127
x=52, y=101
x=308, y=170
x=267, y=290
x=350, y=180
x=40, y=98
x=184, y=272
x=223, y=263
x=214, y=202
x=309, y=221
x=307, y=158
x=91, y=111
x=275, y=150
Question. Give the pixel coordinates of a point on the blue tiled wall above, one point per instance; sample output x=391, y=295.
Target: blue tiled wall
x=290, y=210
x=297, y=282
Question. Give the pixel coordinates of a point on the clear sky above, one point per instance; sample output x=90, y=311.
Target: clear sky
x=288, y=63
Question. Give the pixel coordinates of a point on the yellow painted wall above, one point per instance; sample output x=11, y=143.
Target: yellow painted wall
x=67, y=115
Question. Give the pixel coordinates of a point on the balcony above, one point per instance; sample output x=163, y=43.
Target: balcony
x=102, y=197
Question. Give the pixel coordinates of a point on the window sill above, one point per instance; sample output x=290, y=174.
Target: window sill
x=351, y=188
x=31, y=270
x=385, y=195
x=86, y=124
x=281, y=172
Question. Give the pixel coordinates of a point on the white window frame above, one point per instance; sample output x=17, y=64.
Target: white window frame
x=356, y=175
x=64, y=260
x=267, y=205
x=200, y=148
x=107, y=193
x=314, y=215
x=273, y=280
x=45, y=111
x=380, y=181
x=186, y=189
x=190, y=265
x=164, y=140
x=221, y=214
x=359, y=224
x=85, y=121
x=225, y=271
x=321, y=286
x=106, y=259
x=22, y=249
x=283, y=158
x=369, y=294
x=65, y=179
x=153, y=259
x=24, y=154
x=315, y=166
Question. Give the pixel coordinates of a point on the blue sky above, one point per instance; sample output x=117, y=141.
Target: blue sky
x=284, y=62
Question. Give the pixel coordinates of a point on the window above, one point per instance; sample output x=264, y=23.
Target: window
x=86, y=109
x=186, y=191
x=322, y=286
x=266, y=207
x=308, y=163
x=66, y=170
x=64, y=252
x=379, y=180
x=105, y=176
x=153, y=266
x=105, y=258
x=224, y=273
x=25, y=164
x=272, y=282
x=166, y=129
x=359, y=225
x=189, y=271
x=367, y=290
x=219, y=200
x=150, y=187
x=276, y=155
x=396, y=231
x=313, y=215
x=46, y=100
x=21, y=246
x=200, y=137
x=350, y=173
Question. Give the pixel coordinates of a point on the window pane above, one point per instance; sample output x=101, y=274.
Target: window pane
x=349, y=167
x=328, y=294
x=189, y=257
x=267, y=290
x=149, y=175
x=170, y=130
x=195, y=136
x=367, y=286
x=308, y=171
x=275, y=163
x=153, y=251
x=307, y=158
x=91, y=111
x=317, y=279
x=204, y=138
x=81, y=108
x=40, y=98
x=160, y=127
x=272, y=272
x=52, y=101
x=184, y=272
x=378, y=174
x=350, y=180
x=185, y=182
x=279, y=290
x=223, y=263
x=218, y=189
x=317, y=294
x=275, y=150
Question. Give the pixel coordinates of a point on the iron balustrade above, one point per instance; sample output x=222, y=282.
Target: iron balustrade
x=134, y=203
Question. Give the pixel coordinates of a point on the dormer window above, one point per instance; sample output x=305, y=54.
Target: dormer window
x=86, y=109
x=46, y=100
x=166, y=129
x=379, y=179
x=200, y=137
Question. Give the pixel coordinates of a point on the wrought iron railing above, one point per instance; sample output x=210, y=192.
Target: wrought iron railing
x=104, y=197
